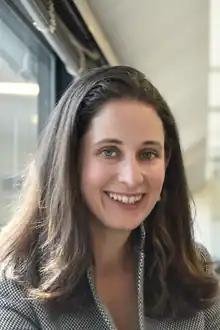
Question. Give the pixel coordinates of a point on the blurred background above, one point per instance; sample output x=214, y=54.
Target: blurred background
x=45, y=44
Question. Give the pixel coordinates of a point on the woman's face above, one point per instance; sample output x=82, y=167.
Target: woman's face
x=123, y=164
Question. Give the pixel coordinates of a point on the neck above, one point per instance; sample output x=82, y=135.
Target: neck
x=110, y=250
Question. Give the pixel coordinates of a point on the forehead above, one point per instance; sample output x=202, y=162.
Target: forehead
x=127, y=120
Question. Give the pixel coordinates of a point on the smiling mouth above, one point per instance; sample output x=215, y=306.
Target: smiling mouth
x=125, y=199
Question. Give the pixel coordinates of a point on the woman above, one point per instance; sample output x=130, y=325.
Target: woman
x=104, y=235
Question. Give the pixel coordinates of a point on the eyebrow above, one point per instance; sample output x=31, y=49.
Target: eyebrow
x=118, y=142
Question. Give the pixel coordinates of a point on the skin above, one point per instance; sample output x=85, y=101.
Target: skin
x=122, y=153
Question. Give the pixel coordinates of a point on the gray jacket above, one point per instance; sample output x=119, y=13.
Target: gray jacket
x=19, y=313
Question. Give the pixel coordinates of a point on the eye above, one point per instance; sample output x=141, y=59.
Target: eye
x=148, y=155
x=109, y=152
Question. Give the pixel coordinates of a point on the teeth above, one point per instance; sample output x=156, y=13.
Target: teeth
x=126, y=199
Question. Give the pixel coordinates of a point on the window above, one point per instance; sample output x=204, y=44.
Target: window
x=27, y=86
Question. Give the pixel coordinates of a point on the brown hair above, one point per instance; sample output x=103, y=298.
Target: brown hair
x=46, y=247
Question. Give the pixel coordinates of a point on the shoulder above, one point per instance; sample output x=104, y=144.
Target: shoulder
x=205, y=258
x=15, y=307
x=212, y=314
x=11, y=292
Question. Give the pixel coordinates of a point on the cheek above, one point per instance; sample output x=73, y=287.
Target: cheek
x=155, y=176
x=93, y=175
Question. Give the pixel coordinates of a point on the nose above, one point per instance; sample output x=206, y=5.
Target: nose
x=131, y=173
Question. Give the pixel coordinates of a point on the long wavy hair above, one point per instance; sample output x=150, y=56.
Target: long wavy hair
x=46, y=246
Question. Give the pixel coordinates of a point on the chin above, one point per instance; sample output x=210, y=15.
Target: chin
x=122, y=225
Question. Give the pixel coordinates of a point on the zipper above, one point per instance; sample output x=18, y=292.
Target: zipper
x=140, y=296
x=140, y=279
